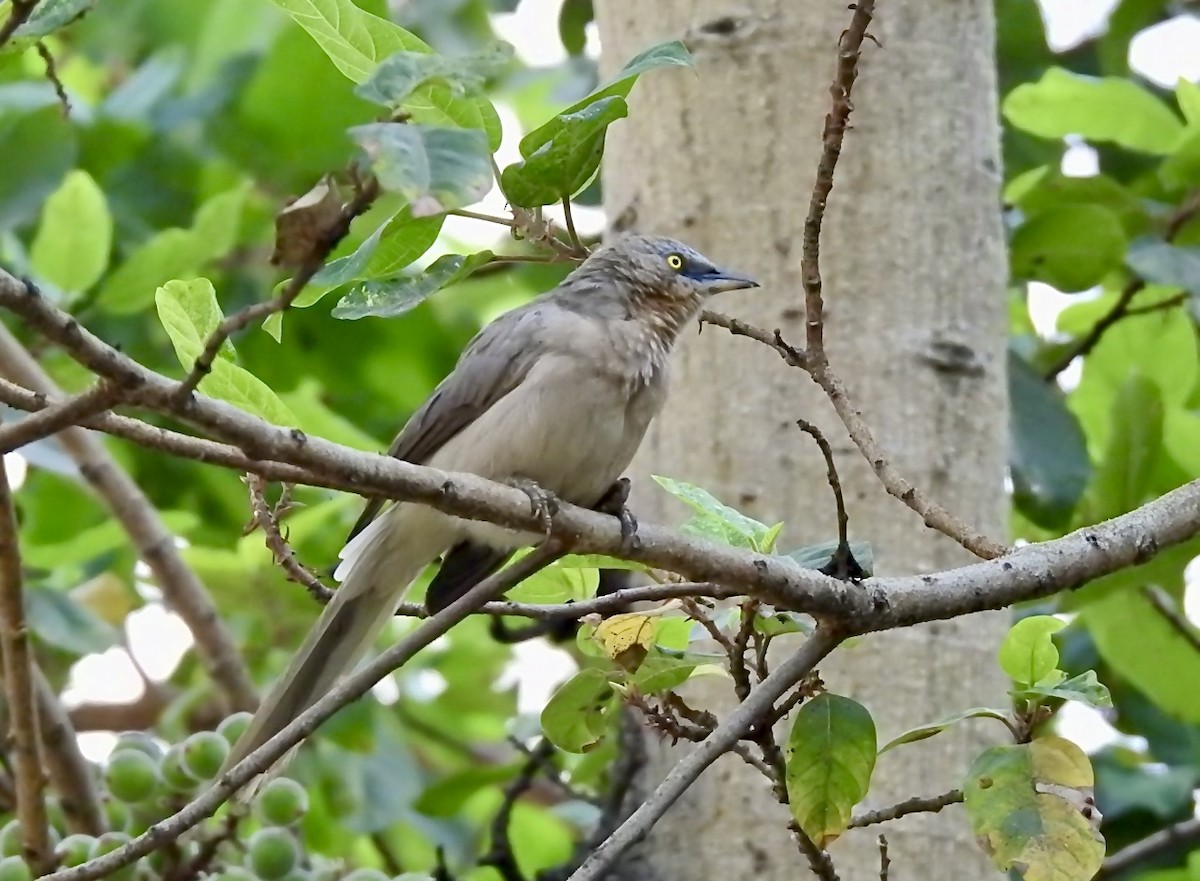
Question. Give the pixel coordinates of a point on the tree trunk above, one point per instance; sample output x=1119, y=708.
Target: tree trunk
x=914, y=264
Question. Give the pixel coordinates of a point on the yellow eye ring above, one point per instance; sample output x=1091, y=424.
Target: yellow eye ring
x=675, y=262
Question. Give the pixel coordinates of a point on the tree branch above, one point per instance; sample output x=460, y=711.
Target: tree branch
x=1030, y=572
x=1165, y=606
x=347, y=690
x=70, y=774
x=17, y=16
x=916, y=805
x=19, y=692
x=155, y=544
x=849, y=49
x=1182, y=835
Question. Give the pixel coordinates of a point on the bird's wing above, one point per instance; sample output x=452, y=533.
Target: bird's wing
x=493, y=364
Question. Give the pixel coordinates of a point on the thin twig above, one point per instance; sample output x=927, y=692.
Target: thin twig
x=1166, y=607
x=488, y=218
x=1144, y=853
x=182, y=590
x=573, y=236
x=18, y=689
x=347, y=690
x=283, y=553
x=52, y=74
x=21, y=10
x=790, y=354
x=849, y=49
x=322, y=246
x=885, y=862
x=55, y=417
x=918, y=805
x=748, y=713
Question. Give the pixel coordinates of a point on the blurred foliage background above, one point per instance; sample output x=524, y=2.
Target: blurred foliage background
x=198, y=120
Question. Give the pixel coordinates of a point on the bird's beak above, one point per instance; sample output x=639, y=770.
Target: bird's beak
x=720, y=280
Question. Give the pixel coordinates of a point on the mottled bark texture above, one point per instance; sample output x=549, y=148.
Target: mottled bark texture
x=914, y=267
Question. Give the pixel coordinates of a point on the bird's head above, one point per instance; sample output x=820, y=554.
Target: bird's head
x=667, y=268
x=654, y=278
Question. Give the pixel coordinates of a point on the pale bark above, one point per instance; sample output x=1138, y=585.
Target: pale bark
x=914, y=267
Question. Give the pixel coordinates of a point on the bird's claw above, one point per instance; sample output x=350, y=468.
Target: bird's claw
x=614, y=502
x=543, y=503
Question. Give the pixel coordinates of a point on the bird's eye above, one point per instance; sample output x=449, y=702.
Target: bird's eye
x=675, y=261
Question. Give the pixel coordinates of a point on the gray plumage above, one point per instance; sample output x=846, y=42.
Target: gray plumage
x=559, y=392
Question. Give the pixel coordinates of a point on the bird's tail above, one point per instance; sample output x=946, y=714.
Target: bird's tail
x=366, y=600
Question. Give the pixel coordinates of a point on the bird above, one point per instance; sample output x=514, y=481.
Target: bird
x=554, y=396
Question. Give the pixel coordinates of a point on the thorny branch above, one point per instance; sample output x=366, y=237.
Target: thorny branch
x=267, y=519
x=19, y=670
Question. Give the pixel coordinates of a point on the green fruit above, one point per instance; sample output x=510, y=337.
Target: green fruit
x=14, y=869
x=142, y=742
x=203, y=754
x=175, y=773
x=10, y=839
x=107, y=843
x=281, y=802
x=132, y=776
x=75, y=849
x=233, y=727
x=272, y=853
x=117, y=813
x=367, y=875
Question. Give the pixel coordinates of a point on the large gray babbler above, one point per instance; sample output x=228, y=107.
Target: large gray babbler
x=558, y=393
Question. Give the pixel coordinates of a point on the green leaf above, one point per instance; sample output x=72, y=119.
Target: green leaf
x=435, y=169
x=49, y=16
x=1144, y=649
x=1071, y=247
x=715, y=519
x=357, y=41
x=1123, y=477
x=1187, y=95
x=1182, y=168
x=1176, y=266
x=929, y=729
x=573, y=19
x=393, y=246
x=558, y=167
x=402, y=73
x=385, y=299
x=830, y=757
x=1025, y=806
x=171, y=253
x=556, y=584
x=820, y=555
x=190, y=314
x=217, y=221
x=1112, y=109
x=1084, y=688
x=354, y=39
x=560, y=156
x=576, y=717
x=64, y=623
x=780, y=622
x=188, y=311
x=446, y=796
x=38, y=149
x=87, y=544
x=1042, y=190
x=1028, y=654
x=74, y=238
x=1048, y=453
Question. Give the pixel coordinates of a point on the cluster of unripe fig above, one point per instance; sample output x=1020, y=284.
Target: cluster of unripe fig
x=143, y=782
